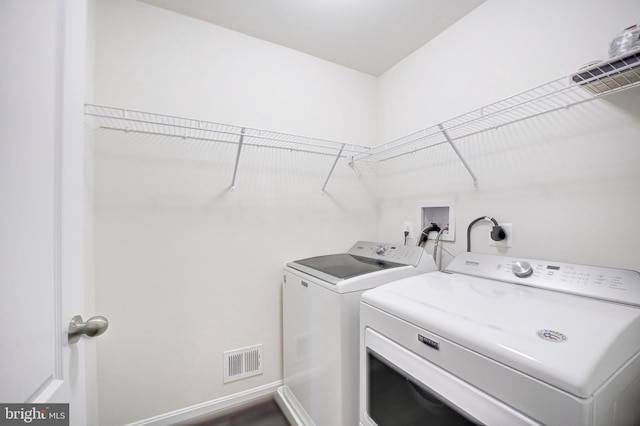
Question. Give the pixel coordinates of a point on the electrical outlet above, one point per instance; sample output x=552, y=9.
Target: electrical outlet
x=408, y=227
x=508, y=241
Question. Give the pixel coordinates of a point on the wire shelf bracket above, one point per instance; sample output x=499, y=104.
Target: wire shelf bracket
x=459, y=154
x=235, y=168
x=332, y=168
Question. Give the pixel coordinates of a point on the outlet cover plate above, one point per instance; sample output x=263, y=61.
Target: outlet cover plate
x=408, y=227
x=508, y=241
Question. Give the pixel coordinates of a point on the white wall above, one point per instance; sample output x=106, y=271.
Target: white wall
x=185, y=268
x=567, y=181
x=155, y=60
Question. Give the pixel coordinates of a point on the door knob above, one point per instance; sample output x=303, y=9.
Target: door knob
x=94, y=326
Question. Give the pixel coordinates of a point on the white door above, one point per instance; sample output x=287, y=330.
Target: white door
x=42, y=202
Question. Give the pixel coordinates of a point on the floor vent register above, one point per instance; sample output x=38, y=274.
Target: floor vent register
x=241, y=363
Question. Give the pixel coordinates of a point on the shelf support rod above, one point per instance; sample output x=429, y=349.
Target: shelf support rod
x=332, y=168
x=235, y=168
x=455, y=149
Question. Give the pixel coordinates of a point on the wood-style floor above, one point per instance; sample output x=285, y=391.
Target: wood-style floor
x=262, y=414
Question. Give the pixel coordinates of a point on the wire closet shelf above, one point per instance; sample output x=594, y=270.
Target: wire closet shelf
x=188, y=128
x=591, y=82
x=127, y=120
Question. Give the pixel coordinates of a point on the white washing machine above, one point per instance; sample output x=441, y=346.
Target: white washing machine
x=321, y=297
x=495, y=340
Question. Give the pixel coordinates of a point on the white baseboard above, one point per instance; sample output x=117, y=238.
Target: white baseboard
x=212, y=408
x=291, y=408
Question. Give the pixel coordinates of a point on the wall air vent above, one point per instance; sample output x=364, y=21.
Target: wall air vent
x=610, y=75
x=241, y=363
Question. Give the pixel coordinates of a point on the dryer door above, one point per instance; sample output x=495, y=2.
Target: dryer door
x=402, y=389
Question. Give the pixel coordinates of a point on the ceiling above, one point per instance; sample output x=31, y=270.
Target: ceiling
x=370, y=36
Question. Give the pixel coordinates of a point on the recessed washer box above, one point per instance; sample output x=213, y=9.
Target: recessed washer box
x=443, y=213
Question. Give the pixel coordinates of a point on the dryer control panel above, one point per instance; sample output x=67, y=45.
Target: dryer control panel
x=616, y=285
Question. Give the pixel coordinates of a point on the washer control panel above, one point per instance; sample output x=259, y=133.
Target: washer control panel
x=406, y=255
x=616, y=285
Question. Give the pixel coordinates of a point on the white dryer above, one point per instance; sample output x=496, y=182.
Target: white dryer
x=496, y=340
x=321, y=297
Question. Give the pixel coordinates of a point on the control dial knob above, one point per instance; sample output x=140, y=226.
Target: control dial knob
x=522, y=269
x=380, y=250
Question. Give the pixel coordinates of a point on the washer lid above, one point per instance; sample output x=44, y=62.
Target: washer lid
x=364, y=257
x=336, y=267
x=572, y=342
